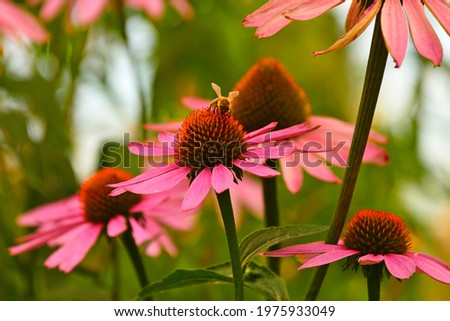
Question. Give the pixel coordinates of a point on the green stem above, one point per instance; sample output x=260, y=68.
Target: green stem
x=271, y=212
x=226, y=210
x=374, y=281
x=135, y=257
x=372, y=84
x=115, y=271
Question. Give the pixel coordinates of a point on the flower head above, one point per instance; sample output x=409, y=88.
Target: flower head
x=396, y=15
x=212, y=149
x=76, y=223
x=372, y=237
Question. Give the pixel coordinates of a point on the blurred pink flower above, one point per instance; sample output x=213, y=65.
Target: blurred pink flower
x=75, y=223
x=16, y=23
x=395, y=17
x=85, y=12
x=372, y=237
x=211, y=149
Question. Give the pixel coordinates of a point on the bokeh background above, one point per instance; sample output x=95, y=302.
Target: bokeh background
x=62, y=101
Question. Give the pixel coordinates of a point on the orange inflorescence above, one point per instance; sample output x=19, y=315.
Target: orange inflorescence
x=99, y=207
x=209, y=137
x=377, y=232
x=268, y=93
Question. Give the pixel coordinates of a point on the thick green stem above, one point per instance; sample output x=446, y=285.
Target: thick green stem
x=372, y=84
x=226, y=210
x=271, y=212
x=374, y=281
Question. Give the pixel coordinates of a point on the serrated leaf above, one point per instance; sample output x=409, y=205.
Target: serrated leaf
x=256, y=277
x=260, y=240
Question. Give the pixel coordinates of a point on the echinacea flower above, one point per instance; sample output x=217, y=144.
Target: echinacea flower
x=16, y=23
x=372, y=237
x=211, y=149
x=396, y=15
x=75, y=223
x=86, y=12
x=269, y=93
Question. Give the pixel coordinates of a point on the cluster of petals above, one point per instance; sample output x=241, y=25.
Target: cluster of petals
x=16, y=23
x=261, y=145
x=401, y=266
x=63, y=223
x=86, y=12
x=396, y=15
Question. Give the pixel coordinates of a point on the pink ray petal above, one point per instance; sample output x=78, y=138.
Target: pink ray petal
x=248, y=193
x=264, y=13
x=307, y=9
x=171, y=127
x=222, y=178
x=310, y=248
x=318, y=168
x=166, y=137
x=292, y=173
x=272, y=26
x=139, y=231
x=51, y=8
x=441, y=10
x=395, y=30
x=281, y=134
x=261, y=131
x=183, y=7
x=155, y=8
x=151, y=149
x=399, y=265
x=328, y=257
x=195, y=103
x=279, y=151
x=365, y=19
x=88, y=11
x=370, y=259
x=353, y=14
x=425, y=39
x=198, y=190
x=374, y=154
x=431, y=266
x=256, y=169
x=116, y=226
x=71, y=253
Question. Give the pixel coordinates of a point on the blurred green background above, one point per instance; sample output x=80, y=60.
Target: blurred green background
x=60, y=102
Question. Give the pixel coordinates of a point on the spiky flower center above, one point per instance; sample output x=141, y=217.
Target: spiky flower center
x=268, y=93
x=209, y=137
x=377, y=232
x=99, y=207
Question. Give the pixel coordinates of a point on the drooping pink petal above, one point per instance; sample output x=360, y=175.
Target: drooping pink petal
x=328, y=257
x=307, y=9
x=155, y=8
x=248, y=193
x=172, y=127
x=441, y=10
x=365, y=19
x=310, y=248
x=425, y=39
x=71, y=253
x=88, y=11
x=281, y=134
x=292, y=172
x=261, y=131
x=370, y=259
x=183, y=7
x=433, y=267
x=116, y=226
x=151, y=149
x=166, y=137
x=195, y=103
x=266, y=12
x=399, y=265
x=272, y=26
x=282, y=150
x=222, y=178
x=51, y=8
x=198, y=190
x=353, y=14
x=395, y=30
x=141, y=232
x=374, y=154
x=163, y=241
x=256, y=169
x=316, y=167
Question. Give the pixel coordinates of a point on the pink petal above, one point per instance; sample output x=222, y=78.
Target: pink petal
x=155, y=8
x=292, y=174
x=151, y=149
x=307, y=9
x=222, y=178
x=375, y=155
x=395, y=30
x=265, y=13
x=198, y=190
x=310, y=248
x=282, y=150
x=328, y=257
x=431, y=266
x=353, y=14
x=162, y=242
x=425, y=39
x=370, y=259
x=195, y=103
x=256, y=169
x=261, y=131
x=248, y=194
x=183, y=7
x=171, y=127
x=71, y=253
x=399, y=265
x=441, y=10
x=365, y=19
x=318, y=168
x=166, y=137
x=272, y=26
x=88, y=11
x=281, y=134
x=141, y=232
x=116, y=226
x=51, y=8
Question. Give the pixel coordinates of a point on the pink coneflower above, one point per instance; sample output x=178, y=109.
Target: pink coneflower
x=395, y=17
x=16, y=23
x=86, y=12
x=75, y=223
x=211, y=149
x=372, y=237
x=269, y=93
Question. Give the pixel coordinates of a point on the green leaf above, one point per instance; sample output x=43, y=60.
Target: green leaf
x=256, y=277
x=260, y=240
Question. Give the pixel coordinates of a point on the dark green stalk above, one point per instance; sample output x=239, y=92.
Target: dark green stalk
x=226, y=211
x=374, y=276
x=271, y=212
x=372, y=84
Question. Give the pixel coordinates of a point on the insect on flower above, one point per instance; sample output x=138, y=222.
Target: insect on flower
x=221, y=103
